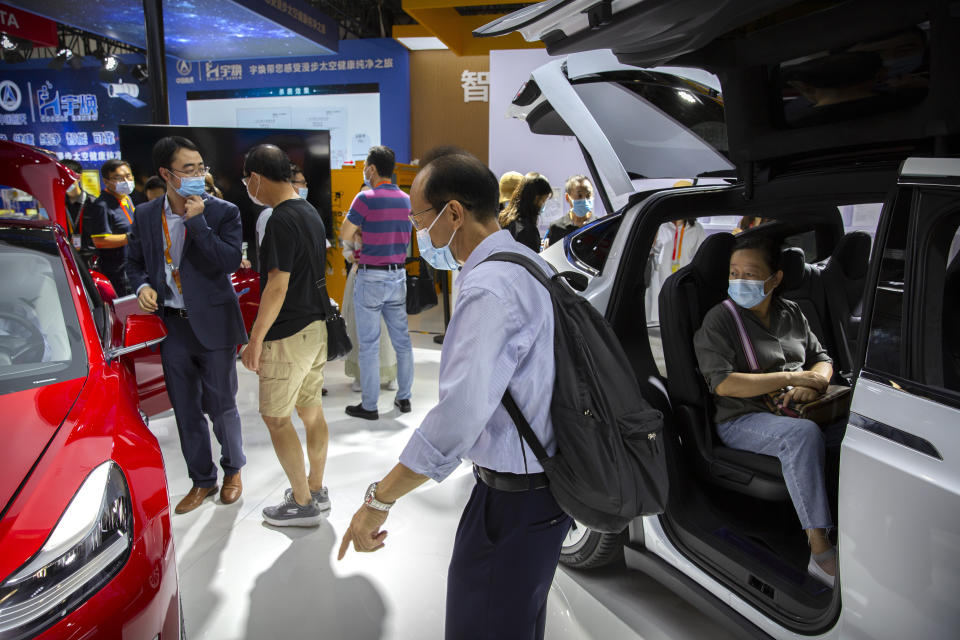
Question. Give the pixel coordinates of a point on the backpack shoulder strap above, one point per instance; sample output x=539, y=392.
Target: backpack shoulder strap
x=523, y=261
x=523, y=426
x=745, y=342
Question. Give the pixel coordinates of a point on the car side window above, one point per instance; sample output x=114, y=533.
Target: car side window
x=886, y=324
x=938, y=364
x=591, y=245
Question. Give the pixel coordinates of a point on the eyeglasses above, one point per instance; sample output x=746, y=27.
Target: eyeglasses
x=193, y=172
x=413, y=217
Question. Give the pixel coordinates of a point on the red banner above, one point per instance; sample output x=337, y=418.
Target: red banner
x=28, y=26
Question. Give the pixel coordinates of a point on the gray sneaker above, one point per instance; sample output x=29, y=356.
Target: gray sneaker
x=322, y=498
x=291, y=514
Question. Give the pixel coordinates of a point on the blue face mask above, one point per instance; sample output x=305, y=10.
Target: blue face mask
x=747, y=293
x=191, y=186
x=303, y=192
x=582, y=208
x=438, y=258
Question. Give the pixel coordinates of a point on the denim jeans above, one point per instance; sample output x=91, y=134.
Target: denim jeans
x=799, y=445
x=380, y=292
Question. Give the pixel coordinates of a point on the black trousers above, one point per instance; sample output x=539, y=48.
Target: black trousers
x=201, y=381
x=118, y=278
x=504, y=559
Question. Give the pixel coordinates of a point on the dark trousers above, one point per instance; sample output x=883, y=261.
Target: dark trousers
x=200, y=381
x=117, y=276
x=504, y=559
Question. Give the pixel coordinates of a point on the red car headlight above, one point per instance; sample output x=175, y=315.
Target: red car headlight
x=86, y=549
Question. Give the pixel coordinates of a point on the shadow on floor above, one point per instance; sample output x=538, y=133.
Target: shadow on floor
x=300, y=596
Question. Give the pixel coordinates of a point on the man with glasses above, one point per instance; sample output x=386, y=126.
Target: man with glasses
x=108, y=220
x=382, y=215
x=182, y=250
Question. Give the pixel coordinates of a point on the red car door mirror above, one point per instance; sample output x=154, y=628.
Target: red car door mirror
x=139, y=331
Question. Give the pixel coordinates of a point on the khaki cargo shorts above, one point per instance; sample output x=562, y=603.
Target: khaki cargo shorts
x=291, y=371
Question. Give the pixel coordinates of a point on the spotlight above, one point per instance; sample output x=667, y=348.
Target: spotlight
x=63, y=56
x=7, y=43
x=111, y=62
x=140, y=73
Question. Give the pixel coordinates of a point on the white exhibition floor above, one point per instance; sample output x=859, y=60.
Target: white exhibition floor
x=240, y=578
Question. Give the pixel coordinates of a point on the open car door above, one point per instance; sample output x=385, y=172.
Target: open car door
x=632, y=123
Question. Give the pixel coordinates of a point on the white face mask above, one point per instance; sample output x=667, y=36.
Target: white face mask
x=254, y=197
x=123, y=187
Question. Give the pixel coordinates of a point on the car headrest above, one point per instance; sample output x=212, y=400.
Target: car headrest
x=852, y=254
x=792, y=263
x=712, y=261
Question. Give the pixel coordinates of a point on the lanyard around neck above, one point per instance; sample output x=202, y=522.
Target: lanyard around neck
x=678, y=246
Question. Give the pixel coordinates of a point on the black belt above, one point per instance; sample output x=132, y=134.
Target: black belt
x=512, y=482
x=382, y=267
x=175, y=311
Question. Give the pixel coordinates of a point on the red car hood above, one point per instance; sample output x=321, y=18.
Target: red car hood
x=31, y=418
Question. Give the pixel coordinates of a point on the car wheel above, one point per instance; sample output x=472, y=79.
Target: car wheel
x=584, y=548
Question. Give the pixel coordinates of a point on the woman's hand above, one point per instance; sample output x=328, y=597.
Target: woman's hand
x=799, y=395
x=810, y=379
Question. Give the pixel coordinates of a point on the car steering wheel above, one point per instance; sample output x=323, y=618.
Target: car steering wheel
x=29, y=348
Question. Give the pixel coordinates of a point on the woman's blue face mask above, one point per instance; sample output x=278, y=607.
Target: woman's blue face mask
x=748, y=293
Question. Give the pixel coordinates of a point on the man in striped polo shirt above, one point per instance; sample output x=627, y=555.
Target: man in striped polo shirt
x=379, y=222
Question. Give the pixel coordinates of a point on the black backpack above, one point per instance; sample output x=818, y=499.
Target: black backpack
x=610, y=465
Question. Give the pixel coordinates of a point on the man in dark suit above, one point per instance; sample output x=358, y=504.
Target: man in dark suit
x=183, y=248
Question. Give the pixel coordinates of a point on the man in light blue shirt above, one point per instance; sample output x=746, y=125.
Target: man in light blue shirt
x=500, y=336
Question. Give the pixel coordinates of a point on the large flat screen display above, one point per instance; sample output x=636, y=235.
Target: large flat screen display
x=350, y=112
x=223, y=151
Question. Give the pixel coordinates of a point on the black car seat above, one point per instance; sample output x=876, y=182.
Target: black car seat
x=844, y=280
x=685, y=298
x=803, y=283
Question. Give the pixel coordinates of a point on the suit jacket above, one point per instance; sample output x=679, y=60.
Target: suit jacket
x=211, y=252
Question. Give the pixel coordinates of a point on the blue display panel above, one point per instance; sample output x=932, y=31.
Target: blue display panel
x=204, y=29
x=70, y=112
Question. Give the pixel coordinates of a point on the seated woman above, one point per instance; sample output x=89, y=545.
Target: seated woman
x=791, y=361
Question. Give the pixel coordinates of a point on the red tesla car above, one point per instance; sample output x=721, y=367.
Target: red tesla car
x=87, y=549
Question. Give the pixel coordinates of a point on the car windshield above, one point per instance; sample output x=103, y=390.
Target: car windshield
x=40, y=339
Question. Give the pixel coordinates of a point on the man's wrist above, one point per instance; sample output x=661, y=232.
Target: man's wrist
x=371, y=499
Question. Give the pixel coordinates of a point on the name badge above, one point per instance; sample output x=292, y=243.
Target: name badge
x=76, y=240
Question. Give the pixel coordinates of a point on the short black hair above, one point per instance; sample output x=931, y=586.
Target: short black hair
x=154, y=182
x=295, y=169
x=383, y=160
x=464, y=178
x=769, y=248
x=112, y=165
x=73, y=165
x=165, y=148
x=270, y=161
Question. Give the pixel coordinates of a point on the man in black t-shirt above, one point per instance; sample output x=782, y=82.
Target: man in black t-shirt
x=288, y=341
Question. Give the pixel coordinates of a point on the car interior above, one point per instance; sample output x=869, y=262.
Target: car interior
x=30, y=309
x=729, y=509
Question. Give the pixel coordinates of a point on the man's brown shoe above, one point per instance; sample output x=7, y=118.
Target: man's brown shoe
x=195, y=498
x=232, y=488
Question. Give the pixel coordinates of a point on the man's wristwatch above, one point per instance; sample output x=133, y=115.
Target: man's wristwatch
x=370, y=499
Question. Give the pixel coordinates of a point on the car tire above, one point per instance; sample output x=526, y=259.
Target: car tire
x=584, y=548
